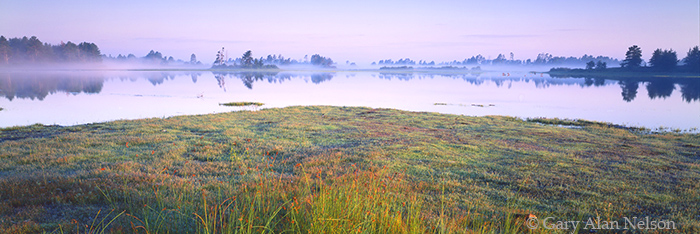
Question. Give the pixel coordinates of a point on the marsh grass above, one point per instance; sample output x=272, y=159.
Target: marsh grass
x=338, y=170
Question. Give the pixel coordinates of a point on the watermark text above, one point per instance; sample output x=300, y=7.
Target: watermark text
x=634, y=223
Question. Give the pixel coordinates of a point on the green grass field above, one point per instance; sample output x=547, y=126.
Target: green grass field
x=323, y=169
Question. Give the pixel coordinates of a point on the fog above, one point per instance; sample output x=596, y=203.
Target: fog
x=30, y=53
x=136, y=65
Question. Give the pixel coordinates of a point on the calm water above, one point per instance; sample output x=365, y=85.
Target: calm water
x=69, y=98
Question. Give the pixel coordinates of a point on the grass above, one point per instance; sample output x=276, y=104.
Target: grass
x=241, y=104
x=323, y=169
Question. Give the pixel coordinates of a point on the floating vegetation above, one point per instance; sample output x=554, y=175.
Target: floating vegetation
x=241, y=104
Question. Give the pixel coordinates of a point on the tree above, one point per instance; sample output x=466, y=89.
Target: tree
x=89, y=52
x=600, y=65
x=4, y=50
x=321, y=61
x=70, y=52
x=500, y=59
x=34, y=48
x=590, y=65
x=193, y=59
x=692, y=60
x=258, y=63
x=663, y=60
x=633, y=57
x=220, y=58
x=543, y=58
x=154, y=56
x=247, y=59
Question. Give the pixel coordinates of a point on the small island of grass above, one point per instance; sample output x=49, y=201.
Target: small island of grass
x=241, y=104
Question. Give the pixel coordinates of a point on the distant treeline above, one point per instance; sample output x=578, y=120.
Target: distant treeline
x=542, y=59
x=32, y=50
x=661, y=62
x=153, y=57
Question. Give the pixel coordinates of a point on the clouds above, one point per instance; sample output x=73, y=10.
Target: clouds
x=154, y=40
x=499, y=36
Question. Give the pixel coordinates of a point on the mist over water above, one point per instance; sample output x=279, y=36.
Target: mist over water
x=78, y=97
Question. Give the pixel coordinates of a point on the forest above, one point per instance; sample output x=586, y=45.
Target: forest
x=32, y=50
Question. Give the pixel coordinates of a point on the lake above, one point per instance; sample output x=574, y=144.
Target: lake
x=78, y=97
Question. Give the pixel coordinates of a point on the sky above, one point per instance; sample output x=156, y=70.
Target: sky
x=360, y=31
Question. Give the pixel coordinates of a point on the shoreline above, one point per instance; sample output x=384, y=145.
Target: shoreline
x=553, y=121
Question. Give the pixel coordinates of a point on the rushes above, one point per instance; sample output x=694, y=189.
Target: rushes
x=364, y=201
x=368, y=200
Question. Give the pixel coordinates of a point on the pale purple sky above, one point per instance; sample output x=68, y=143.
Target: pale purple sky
x=360, y=31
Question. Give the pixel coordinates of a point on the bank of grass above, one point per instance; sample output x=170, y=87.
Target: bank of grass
x=339, y=170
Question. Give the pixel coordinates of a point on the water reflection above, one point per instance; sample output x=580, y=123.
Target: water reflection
x=597, y=82
x=195, y=76
x=248, y=78
x=690, y=90
x=629, y=89
x=317, y=78
x=39, y=85
x=477, y=79
x=661, y=88
x=143, y=94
